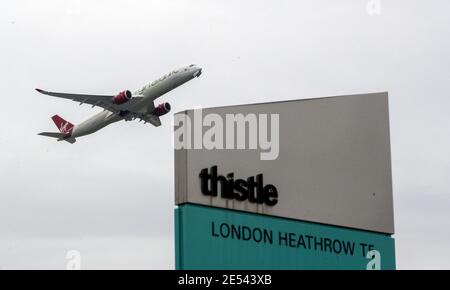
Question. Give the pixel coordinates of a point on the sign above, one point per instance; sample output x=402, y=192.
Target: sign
x=215, y=238
x=324, y=160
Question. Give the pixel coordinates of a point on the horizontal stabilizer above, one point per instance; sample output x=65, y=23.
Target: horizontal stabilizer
x=52, y=134
x=70, y=140
x=60, y=136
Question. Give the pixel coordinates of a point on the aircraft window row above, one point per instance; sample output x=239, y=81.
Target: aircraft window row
x=173, y=72
x=164, y=77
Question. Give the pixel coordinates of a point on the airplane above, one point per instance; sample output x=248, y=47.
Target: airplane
x=123, y=106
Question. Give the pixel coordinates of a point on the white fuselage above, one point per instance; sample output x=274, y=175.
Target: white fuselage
x=150, y=92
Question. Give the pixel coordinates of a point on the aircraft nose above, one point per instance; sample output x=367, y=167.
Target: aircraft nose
x=198, y=72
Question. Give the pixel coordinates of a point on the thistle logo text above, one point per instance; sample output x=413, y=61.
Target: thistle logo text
x=252, y=189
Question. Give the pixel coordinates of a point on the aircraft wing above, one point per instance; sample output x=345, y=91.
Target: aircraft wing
x=103, y=101
x=147, y=117
x=152, y=119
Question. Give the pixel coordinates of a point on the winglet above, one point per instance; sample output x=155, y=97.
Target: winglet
x=39, y=90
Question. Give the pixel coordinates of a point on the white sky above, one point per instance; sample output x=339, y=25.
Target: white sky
x=110, y=195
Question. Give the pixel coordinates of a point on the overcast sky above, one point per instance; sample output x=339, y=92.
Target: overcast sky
x=110, y=195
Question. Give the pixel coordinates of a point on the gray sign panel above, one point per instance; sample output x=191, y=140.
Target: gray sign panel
x=333, y=164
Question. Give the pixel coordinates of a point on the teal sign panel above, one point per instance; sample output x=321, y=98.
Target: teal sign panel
x=216, y=238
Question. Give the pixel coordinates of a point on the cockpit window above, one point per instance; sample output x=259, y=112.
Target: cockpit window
x=191, y=65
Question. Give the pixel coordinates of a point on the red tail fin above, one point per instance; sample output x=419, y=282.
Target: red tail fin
x=64, y=126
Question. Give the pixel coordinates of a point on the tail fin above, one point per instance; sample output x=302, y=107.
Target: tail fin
x=64, y=126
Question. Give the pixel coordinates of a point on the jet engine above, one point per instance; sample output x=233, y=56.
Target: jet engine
x=161, y=109
x=122, y=97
